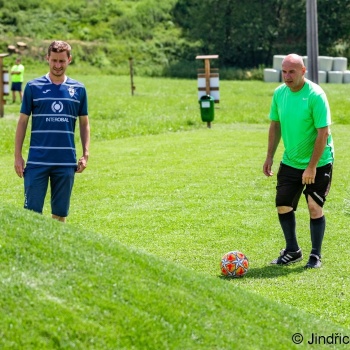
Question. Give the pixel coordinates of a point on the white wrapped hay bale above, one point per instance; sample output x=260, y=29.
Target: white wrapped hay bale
x=272, y=75
x=277, y=61
x=322, y=76
x=325, y=63
x=346, y=77
x=305, y=61
x=340, y=64
x=335, y=77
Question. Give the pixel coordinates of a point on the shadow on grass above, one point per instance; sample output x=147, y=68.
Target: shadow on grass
x=273, y=271
x=270, y=271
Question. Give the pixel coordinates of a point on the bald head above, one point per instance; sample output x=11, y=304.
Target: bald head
x=293, y=59
x=293, y=71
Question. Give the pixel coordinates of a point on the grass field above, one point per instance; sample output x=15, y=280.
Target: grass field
x=163, y=198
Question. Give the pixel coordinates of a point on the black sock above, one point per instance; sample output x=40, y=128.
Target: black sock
x=288, y=225
x=317, y=228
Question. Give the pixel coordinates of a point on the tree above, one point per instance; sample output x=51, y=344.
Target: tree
x=248, y=33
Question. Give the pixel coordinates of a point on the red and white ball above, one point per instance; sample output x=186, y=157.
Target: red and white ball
x=234, y=264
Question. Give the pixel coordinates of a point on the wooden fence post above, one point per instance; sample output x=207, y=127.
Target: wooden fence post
x=211, y=78
x=2, y=102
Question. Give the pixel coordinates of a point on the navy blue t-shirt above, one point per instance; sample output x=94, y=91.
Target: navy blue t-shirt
x=55, y=110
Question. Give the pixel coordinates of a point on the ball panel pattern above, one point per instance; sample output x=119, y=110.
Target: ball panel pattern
x=234, y=264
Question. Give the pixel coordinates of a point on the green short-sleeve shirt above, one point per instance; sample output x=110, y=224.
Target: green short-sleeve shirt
x=301, y=113
x=17, y=78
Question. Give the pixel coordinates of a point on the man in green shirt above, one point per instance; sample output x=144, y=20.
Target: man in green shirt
x=300, y=115
x=17, y=74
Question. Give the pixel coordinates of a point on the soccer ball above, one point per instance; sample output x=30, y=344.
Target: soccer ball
x=234, y=264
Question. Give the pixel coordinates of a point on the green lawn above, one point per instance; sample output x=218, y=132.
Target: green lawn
x=163, y=198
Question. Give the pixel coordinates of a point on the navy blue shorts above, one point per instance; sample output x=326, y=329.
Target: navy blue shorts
x=16, y=87
x=36, y=180
x=289, y=186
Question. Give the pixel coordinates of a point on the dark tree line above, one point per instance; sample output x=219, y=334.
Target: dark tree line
x=248, y=33
x=165, y=36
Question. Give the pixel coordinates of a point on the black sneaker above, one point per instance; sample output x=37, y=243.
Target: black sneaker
x=287, y=257
x=314, y=262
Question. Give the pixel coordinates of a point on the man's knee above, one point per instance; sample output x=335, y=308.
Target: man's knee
x=284, y=209
x=315, y=210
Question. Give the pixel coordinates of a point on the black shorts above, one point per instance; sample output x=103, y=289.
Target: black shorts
x=290, y=187
x=16, y=87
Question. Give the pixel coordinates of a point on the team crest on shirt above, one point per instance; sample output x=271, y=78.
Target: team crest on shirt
x=57, y=107
x=71, y=91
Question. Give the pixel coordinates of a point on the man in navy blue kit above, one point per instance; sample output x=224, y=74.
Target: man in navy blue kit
x=55, y=102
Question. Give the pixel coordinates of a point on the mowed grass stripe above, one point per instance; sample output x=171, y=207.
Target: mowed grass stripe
x=63, y=287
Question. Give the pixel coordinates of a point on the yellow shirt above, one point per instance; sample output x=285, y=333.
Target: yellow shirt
x=17, y=78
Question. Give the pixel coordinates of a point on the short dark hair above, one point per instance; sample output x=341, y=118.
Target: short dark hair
x=59, y=46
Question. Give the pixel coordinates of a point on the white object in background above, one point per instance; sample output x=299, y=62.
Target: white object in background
x=277, y=61
x=346, y=77
x=272, y=75
x=335, y=77
x=325, y=63
x=340, y=63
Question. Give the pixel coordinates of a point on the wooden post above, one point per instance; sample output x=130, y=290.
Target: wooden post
x=21, y=46
x=1, y=90
x=2, y=102
x=11, y=49
x=207, y=76
x=131, y=75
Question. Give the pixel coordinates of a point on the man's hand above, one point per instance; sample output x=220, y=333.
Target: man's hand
x=82, y=164
x=19, y=166
x=309, y=176
x=267, y=167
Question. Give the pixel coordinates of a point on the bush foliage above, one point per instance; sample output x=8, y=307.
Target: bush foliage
x=165, y=36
